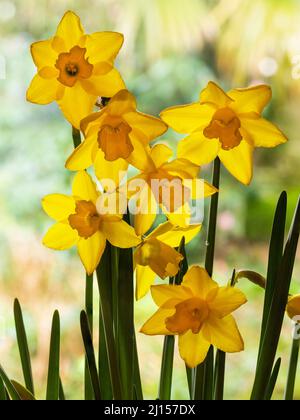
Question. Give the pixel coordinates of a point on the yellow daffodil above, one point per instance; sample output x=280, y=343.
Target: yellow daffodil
x=74, y=68
x=293, y=307
x=78, y=222
x=115, y=137
x=156, y=256
x=199, y=312
x=228, y=125
x=167, y=184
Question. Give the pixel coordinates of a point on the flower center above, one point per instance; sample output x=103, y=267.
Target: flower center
x=86, y=220
x=114, y=141
x=73, y=66
x=190, y=315
x=225, y=126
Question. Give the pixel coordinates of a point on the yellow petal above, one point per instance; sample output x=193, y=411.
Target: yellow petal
x=84, y=187
x=42, y=91
x=198, y=149
x=188, y=118
x=81, y=158
x=101, y=68
x=163, y=293
x=91, y=250
x=145, y=210
x=143, y=222
x=213, y=94
x=122, y=102
x=60, y=237
x=293, y=307
x=43, y=54
x=114, y=171
x=76, y=104
x=92, y=123
x=105, y=85
x=103, y=46
x=223, y=334
x=160, y=154
x=48, y=72
x=262, y=133
x=172, y=235
x=144, y=279
x=150, y=126
x=156, y=324
x=58, y=206
x=139, y=158
x=198, y=280
x=182, y=168
x=251, y=99
x=193, y=348
x=227, y=300
x=70, y=29
x=239, y=161
x=120, y=234
x=209, y=189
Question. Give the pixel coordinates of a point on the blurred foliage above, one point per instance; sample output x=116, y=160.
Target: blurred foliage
x=172, y=48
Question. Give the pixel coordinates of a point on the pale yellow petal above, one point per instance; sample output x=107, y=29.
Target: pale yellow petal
x=213, y=94
x=107, y=170
x=91, y=250
x=188, y=118
x=262, y=133
x=70, y=29
x=223, y=334
x=42, y=91
x=172, y=235
x=160, y=154
x=198, y=149
x=144, y=279
x=84, y=188
x=193, y=348
x=81, y=158
x=227, y=300
x=182, y=168
x=140, y=157
x=58, y=206
x=43, y=54
x=156, y=325
x=106, y=85
x=103, y=46
x=76, y=104
x=239, y=161
x=163, y=293
x=198, y=280
x=251, y=99
x=122, y=102
x=120, y=234
x=150, y=126
x=60, y=237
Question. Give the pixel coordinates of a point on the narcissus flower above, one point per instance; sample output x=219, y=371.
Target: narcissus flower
x=74, y=68
x=78, y=222
x=228, y=125
x=169, y=185
x=115, y=137
x=199, y=312
x=293, y=307
x=156, y=256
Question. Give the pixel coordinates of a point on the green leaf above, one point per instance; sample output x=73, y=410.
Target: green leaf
x=90, y=354
x=23, y=347
x=273, y=380
x=62, y=396
x=290, y=385
x=54, y=355
x=89, y=296
x=219, y=375
x=9, y=386
x=166, y=373
x=274, y=321
x=3, y=396
x=23, y=392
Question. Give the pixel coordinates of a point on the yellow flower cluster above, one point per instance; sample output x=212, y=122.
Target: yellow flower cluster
x=75, y=69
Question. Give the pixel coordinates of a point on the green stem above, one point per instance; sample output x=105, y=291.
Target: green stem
x=209, y=264
x=89, y=295
x=219, y=375
x=290, y=386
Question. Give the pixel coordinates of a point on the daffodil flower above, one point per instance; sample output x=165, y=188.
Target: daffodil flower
x=115, y=137
x=199, y=312
x=228, y=125
x=78, y=222
x=74, y=68
x=293, y=307
x=169, y=185
x=156, y=256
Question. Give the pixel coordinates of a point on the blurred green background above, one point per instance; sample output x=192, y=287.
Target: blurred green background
x=172, y=49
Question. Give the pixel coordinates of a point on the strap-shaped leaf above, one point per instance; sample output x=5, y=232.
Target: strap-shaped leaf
x=273, y=380
x=9, y=386
x=23, y=392
x=54, y=355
